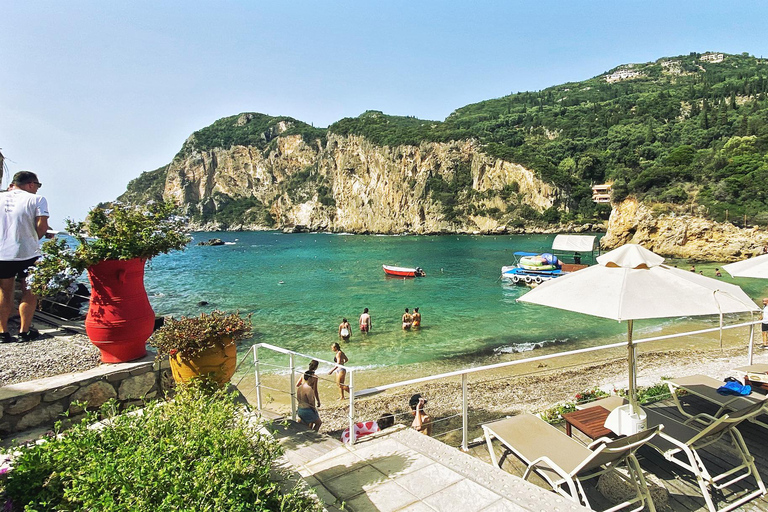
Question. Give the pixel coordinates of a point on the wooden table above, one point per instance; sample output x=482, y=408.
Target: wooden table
x=590, y=421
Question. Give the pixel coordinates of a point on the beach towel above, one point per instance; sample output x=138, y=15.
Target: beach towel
x=734, y=387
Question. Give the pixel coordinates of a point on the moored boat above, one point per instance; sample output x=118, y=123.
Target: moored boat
x=403, y=271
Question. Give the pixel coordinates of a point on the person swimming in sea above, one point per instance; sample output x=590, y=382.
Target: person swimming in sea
x=407, y=320
x=416, y=318
x=345, y=330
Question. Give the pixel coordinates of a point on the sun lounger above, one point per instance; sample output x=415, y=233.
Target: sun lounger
x=564, y=462
x=679, y=443
x=706, y=388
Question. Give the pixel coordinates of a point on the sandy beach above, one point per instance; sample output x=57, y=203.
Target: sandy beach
x=529, y=387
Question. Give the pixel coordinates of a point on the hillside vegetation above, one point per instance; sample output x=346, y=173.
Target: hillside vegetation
x=688, y=130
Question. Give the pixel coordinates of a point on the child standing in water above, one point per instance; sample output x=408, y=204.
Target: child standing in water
x=341, y=359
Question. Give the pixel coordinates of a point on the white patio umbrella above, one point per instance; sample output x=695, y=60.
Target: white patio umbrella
x=632, y=283
x=753, y=267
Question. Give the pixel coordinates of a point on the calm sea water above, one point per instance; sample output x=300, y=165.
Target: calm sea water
x=300, y=286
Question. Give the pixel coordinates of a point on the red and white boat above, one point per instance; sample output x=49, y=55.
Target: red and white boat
x=403, y=271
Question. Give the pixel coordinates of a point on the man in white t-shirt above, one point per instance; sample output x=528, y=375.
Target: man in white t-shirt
x=23, y=222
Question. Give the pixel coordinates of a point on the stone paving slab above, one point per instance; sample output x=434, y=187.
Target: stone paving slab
x=401, y=470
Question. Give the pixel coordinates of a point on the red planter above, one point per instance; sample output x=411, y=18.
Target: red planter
x=120, y=319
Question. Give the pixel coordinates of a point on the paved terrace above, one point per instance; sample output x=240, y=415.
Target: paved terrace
x=683, y=492
x=401, y=470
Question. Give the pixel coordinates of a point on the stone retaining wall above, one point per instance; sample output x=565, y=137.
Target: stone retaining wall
x=40, y=403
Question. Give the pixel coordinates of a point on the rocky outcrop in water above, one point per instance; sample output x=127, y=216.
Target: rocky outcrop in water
x=681, y=234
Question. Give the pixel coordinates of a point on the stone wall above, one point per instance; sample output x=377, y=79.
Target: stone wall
x=40, y=403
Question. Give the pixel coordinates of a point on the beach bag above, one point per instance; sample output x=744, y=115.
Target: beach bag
x=734, y=387
x=361, y=429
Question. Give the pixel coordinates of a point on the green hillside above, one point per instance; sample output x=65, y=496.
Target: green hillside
x=685, y=130
x=678, y=130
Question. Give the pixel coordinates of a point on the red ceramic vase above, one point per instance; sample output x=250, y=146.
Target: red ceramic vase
x=120, y=319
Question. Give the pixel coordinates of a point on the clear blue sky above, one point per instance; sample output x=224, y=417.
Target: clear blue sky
x=92, y=93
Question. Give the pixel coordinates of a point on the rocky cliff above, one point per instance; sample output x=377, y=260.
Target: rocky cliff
x=347, y=184
x=680, y=234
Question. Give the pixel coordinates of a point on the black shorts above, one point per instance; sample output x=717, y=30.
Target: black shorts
x=9, y=269
x=765, y=327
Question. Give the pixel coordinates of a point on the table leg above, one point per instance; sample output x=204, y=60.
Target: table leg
x=568, y=428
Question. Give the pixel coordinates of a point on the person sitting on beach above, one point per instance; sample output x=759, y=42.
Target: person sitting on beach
x=341, y=359
x=345, y=330
x=717, y=273
x=693, y=268
x=407, y=320
x=365, y=321
x=416, y=318
x=312, y=381
x=421, y=420
x=307, y=407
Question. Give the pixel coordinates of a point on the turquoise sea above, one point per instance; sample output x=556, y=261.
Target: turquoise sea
x=300, y=286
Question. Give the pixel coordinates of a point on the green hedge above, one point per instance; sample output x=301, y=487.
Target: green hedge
x=196, y=453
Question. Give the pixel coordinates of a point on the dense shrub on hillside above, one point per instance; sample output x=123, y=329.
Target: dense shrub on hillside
x=196, y=452
x=680, y=129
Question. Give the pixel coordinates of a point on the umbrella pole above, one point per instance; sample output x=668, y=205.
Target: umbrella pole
x=631, y=359
x=751, y=338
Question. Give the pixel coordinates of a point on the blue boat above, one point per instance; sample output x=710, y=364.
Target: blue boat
x=532, y=268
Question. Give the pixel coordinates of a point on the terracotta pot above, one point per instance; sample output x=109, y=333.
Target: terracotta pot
x=216, y=363
x=120, y=318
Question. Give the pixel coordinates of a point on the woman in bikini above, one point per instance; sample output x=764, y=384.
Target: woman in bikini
x=407, y=320
x=345, y=330
x=341, y=359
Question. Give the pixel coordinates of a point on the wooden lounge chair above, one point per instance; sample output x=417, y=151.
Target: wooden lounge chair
x=679, y=443
x=564, y=462
x=706, y=387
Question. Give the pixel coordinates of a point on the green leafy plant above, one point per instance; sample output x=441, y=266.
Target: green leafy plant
x=197, y=452
x=192, y=335
x=118, y=231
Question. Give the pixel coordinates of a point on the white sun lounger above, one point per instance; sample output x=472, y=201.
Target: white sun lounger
x=679, y=443
x=564, y=462
x=706, y=387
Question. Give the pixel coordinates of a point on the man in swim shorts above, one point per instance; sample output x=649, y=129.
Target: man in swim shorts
x=416, y=318
x=365, y=321
x=307, y=407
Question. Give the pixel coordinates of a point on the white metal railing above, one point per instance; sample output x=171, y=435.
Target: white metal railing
x=292, y=354
x=463, y=373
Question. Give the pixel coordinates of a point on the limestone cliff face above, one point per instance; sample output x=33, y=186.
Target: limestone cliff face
x=680, y=235
x=348, y=184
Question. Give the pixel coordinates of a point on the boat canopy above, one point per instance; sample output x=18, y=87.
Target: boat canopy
x=574, y=243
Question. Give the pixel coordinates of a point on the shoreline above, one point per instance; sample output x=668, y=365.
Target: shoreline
x=501, y=393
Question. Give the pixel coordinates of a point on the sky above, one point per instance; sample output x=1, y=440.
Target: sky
x=93, y=93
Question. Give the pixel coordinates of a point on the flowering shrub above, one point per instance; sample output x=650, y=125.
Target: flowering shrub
x=117, y=232
x=192, y=335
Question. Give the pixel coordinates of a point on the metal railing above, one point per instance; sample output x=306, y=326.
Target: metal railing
x=292, y=387
x=464, y=373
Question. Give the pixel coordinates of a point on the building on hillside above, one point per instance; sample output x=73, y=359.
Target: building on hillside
x=622, y=74
x=601, y=193
x=712, y=57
